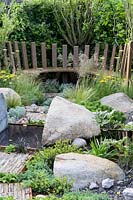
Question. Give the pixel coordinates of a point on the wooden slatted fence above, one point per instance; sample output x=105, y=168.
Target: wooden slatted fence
x=120, y=59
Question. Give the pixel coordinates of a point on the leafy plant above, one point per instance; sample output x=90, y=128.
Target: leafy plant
x=78, y=196
x=8, y=178
x=102, y=149
x=110, y=120
x=10, y=148
x=51, y=86
x=36, y=122
x=16, y=113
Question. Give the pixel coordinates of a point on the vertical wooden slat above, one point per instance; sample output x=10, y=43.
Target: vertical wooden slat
x=123, y=59
x=125, y=62
x=25, y=58
x=105, y=55
x=11, y=55
x=18, y=62
x=76, y=56
x=54, y=55
x=119, y=59
x=5, y=59
x=96, y=54
x=112, y=58
x=34, y=55
x=64, y=56
x=87, y=50
x=129, y=61
x=44, y=55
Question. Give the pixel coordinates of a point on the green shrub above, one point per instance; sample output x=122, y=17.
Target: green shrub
x=39, y=173
x=109, y=21
x=10, y=148
x=110, y=120
x=34, y=19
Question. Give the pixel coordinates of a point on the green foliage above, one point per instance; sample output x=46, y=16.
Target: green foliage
x=78, y=196
x=110, y=120
x=81, y=94
x=36, y=122
x=74, y=19
x=6, y=78
x=8, y=178
x=49, y=153
x=39, y=170
x=102, y=149
x=7, y=198
x=10, y=148
x=34, y=20
x=6, y=26
x=51, y=86
x=16, y=113
x=129, y=16
x=120, y=151
x=29, y=89
x=109, y=21
x=96, y=106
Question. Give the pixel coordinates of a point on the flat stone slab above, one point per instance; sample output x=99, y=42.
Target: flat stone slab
x=15, y=190
x=13, y=162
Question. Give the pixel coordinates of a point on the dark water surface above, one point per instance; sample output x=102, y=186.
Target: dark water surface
x=27, y=136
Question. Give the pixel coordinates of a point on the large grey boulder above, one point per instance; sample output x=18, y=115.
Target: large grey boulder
x=67, y=120
x=11, y=96
x=84, y=169
x=3, y=113
x=118, y=101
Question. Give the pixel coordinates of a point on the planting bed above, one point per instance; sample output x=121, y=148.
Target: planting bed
x=29, y=136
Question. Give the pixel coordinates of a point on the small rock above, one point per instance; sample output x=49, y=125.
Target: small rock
x=128, y=193
x=93, y=186
x=107, y=183
x=79, y=142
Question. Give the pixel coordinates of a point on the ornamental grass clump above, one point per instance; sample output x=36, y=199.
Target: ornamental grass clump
x=29, y=88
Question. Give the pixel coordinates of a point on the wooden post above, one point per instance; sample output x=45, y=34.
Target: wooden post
x=87, y=50
x=54, y=55
x=123, y=59
x=112, y=58
x=64, y=56
x=18, y=62
x=11, y=55
x=44, y=55
x=64, y=75
x=76, y=56
x=5, y=58
x=34, y=55
x=129, y=61
x=119, y=59
x=96, y=54
x=125, y=62
x=25, y=58
x=105, y=55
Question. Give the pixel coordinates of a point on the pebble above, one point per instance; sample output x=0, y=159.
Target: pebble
x=107, y=183
x=93, y=186
x=128, y=194
x=79, y=142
